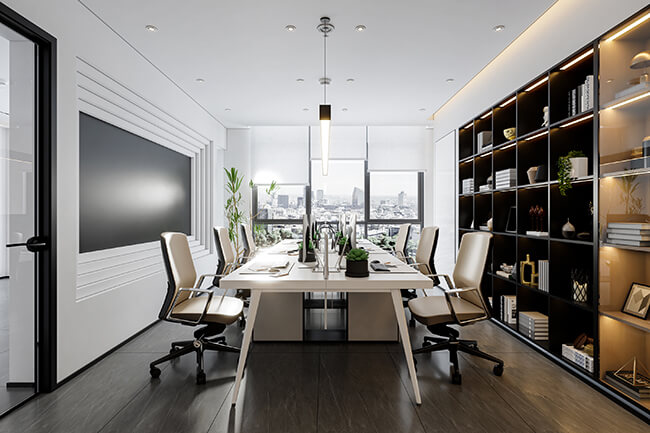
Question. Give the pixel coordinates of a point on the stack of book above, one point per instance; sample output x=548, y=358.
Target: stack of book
x=484, y=188
x=630, y=234
x=623, y=381
x=533, y=325
x=542, y=275
x=578, y=357
x=468, y=185
x=582, y=97
x=509, y=309
x=506, y=178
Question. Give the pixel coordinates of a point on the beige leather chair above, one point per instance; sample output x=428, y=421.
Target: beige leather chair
x=401, y=241
x=186, y=303
x=248, y=240
x=226, y=263
x=462, y=304
x=423, y=262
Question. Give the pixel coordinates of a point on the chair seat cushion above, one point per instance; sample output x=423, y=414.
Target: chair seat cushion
x=432, y=310
x=223, y=311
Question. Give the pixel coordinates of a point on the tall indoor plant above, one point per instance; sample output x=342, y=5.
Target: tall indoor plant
x=234, y=214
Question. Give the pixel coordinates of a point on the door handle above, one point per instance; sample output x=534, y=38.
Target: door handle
x=33, y=244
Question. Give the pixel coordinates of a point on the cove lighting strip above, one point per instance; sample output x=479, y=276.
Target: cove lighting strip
x=577, y=59
x=486, y=114
x=537, y=135
x=629, y=101
x=508, y=102
x=628, y=28
x=469, y=125
x=537, y=84
x=576, y=121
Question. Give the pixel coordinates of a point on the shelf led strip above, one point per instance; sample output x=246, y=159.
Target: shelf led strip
x=636, y=98
x=537, y=84
x=537, y=135
x=577, y=121
x=628, y=28
x=577, y=59
x=486, y=114
x=508, y=102
x=469, y=125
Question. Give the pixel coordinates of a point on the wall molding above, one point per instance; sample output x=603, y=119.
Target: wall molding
x=105, y=98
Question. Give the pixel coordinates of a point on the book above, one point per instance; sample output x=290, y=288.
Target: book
x=579, y=96
x=629, y=243
x=509, y=309
x=535, y=316
x=629, y=231
x=629, y=226
x=589, y=90
x=630, y=237
x=623, y=381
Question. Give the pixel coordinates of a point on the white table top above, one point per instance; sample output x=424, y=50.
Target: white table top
x=301, y=277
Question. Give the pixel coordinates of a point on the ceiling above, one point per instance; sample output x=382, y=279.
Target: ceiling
x=250, y=63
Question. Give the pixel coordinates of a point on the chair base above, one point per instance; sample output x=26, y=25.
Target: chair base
x=450, y=341
x=200, y=344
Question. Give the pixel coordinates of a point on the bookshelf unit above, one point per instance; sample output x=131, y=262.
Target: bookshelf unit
x=609, y=135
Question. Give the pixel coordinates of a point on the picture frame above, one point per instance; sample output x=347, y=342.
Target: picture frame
x=637, y=301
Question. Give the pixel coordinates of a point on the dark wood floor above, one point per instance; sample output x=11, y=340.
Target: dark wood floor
x=322, y=388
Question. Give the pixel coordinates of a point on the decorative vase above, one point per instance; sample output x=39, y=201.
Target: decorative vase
x=568, y=230
x=540, y=176
x=356, y=269
x=546, y=117
x=579, y=167
x=509, y=133
x=579, y=291
x=532, y=171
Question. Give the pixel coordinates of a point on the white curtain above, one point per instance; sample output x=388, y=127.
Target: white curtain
x=397, y=148
x=281, y=154
x=347, y=142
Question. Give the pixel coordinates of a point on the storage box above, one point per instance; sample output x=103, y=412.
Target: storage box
x=484, y=139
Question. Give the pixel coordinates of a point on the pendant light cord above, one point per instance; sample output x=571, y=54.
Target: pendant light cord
x=325, y=68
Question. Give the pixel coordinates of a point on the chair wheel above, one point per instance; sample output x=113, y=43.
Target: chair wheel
x=154, y=372
x=498, y=370
x=456, y=378
x=200, y=378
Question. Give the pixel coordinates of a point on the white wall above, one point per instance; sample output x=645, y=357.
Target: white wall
x=238, y=155
x=92, y=326
x=564, y=28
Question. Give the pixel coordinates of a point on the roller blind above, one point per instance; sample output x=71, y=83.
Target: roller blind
x=280, y=153
x=396, y=148
x=347, y=142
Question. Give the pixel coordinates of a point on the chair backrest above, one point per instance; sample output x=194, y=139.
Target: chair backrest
x=248, y=240
x=470, y=264
x=427, y=249
x=225, y=254
x=179, y=266
x=402, y=240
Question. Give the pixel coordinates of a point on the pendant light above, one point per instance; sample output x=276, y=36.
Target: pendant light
x=325, y=110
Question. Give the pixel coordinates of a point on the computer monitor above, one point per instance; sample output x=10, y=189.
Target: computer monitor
x=353, y=230
x=306, y=236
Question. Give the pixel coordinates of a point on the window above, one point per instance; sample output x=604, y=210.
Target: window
x=385, y=235
x=341, y=191
x=270, y=234
x=394, y=195
x=287, y=202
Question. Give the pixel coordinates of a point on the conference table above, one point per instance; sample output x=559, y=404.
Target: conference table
x=301, y=277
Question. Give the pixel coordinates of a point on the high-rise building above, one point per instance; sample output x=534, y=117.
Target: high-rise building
x=357, y=197
x=401, y=197
x=283, y=201
x=300, y=202
x=319, y=195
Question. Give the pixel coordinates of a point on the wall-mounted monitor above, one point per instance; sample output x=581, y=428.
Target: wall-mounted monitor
x=130, y=188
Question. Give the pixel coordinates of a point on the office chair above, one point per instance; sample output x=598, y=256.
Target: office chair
x=226, y=263
x=248, y=240
x=184, y=304
x=402, y=239
x=462, y=304
x=423, y=262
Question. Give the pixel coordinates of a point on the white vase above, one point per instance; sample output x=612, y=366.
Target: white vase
x=579, y=167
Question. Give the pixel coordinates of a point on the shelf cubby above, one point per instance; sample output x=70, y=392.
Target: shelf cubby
x=530, y=106
x=482, y=210
x=504, y=116
x=566, y=77
x=465, y=212
x=527, y=199
x=572, y=137
x=482, y=170
x=575, y=207
x=566, y=323
x=466, y=141
x=565, y=257
x=503, y=201
x=531, y=152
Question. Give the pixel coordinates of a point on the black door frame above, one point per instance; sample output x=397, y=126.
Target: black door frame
x=45, y=171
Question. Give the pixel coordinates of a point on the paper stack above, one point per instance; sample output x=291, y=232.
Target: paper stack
x=533, y=325
x=506, y=178
x=468, y=186
x=509, y=309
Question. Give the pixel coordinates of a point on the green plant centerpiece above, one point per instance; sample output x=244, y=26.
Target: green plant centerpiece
x=343, y=243
x=311, y=255
x=356, y=263
x=564, y=167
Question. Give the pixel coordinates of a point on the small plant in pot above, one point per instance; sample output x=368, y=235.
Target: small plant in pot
x=356, y=263
x=311, y=255
x=343, y=243
x=569, y=166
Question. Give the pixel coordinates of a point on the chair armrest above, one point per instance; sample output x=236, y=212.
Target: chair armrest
x=193, y=291
x=450, y=285
x=204, y=276
x=455, y=292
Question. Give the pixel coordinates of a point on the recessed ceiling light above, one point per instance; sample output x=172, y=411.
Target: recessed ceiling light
x=499, y=28
x=151, y=28
x=449, y=80
x=422, y=109
x=360, y=28
x=610, y=80
x=300, y=80
x=2, y=83
x=227, y=109
x=350, y=80
x=290, y=28
x=344, y=109
x=199, y=80
x=305, y=109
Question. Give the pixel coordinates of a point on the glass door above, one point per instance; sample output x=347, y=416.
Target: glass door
x=18, y=241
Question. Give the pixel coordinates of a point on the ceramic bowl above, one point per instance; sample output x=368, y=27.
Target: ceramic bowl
x=509, y=133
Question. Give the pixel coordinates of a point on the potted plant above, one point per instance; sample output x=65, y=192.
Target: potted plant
x=343, y=243
x=311, y=255
x=356, y=263
x=570, y=166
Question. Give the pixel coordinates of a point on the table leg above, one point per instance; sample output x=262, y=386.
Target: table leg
x=248, y=333
x=406, y=342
